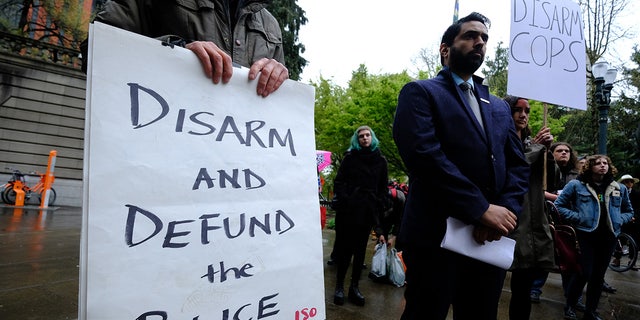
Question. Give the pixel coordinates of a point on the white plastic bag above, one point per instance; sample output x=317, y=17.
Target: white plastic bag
x=396, y=269
x=379, y=263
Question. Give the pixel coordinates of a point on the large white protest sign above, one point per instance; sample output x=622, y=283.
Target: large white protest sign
x=200, y=200
x=547, y=52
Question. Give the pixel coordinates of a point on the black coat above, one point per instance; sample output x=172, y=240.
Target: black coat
x=360, y=186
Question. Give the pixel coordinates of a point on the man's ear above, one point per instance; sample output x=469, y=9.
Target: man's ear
x=444, y=52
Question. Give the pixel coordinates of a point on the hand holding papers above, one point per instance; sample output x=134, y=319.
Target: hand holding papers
x=459, y=239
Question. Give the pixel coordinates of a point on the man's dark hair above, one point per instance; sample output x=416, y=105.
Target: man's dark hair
x=454, y=29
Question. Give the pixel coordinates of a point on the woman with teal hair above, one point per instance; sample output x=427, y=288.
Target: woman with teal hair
x=360, y=187
x=355, y=143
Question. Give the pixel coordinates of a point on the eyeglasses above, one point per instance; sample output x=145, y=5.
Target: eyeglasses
x=562, y=151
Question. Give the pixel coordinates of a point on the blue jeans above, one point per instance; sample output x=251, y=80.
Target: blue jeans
x=541, y=279
x=538, y=281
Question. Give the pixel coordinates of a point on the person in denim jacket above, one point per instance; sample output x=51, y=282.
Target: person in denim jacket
x=597, y=207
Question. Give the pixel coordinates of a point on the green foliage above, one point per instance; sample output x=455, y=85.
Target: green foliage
x=581, y=131
x=61, y=22
x=633, y=78
x=71, y=24
x=623, y=132
x=10, y=13
x=331, y=223
x=291, y=17
x=536, y=119
x=369, y=100
x=622, y=144
x=496, y=71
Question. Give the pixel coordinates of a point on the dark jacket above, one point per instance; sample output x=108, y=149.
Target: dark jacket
x=255, y=34
x=534, y=243
x=361, y=184
x=562, y=176
x=634, y=197
x=394, y=208
x=455, y=167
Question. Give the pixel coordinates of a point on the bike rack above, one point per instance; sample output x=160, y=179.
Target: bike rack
x=17, y=187
x=48, y=181
x=48, y=178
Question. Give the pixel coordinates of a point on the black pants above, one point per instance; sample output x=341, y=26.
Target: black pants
x=438, y=278
x=351, y=242
x=596, y=249
x=521, y=283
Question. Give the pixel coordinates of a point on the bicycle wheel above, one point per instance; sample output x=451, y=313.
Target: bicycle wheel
x=4, y=198
x=625, y=254
x=9, y=196
x=52, y=197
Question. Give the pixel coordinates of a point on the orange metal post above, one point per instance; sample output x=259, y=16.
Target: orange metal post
x=17, y=187
x=48, y=178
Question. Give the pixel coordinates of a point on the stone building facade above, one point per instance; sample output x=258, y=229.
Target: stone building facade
x=42, y=108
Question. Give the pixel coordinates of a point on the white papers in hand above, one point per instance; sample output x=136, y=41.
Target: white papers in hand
x=459, y=239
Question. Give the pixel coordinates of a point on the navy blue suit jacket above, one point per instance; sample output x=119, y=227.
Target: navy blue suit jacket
x=455, y=167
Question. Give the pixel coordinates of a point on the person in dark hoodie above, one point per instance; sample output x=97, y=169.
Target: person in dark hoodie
x=220, y=32
x=360, y=188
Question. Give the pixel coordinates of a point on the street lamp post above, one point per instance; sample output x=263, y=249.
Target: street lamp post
x=604, y=78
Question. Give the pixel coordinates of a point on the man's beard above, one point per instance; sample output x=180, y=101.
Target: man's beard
x=465, y=64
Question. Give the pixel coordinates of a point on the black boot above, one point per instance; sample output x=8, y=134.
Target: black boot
x=338, y=297
x=355, y=296
x=608, y=288
x=591, y=315
x=570, y=313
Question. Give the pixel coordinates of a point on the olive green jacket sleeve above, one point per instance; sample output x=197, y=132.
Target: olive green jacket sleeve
x=255, y=34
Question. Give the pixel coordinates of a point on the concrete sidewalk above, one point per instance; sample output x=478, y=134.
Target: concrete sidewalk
x=39, y=270
x=386, y=301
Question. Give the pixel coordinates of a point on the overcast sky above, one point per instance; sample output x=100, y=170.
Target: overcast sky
x=387, y=35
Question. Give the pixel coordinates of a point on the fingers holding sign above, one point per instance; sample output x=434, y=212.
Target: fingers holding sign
x=271, y=75
x=218, y=66
x=216, y=63
x=543, y=137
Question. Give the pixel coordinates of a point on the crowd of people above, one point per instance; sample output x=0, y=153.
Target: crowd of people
x=505, y=190
x=502, y=190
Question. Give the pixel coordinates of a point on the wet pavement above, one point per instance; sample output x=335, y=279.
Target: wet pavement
x=39, y=275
